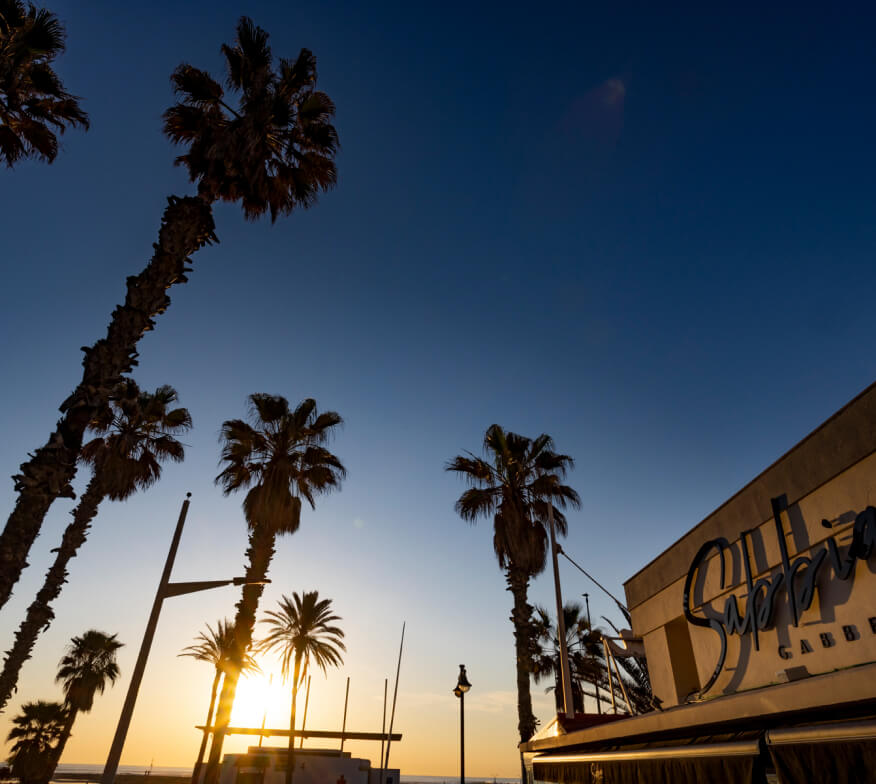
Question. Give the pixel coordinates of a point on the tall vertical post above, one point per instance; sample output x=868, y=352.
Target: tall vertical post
x=115, y=754
x=344, y=725
x=590, y=630
x=462, y=738
x=565, y=672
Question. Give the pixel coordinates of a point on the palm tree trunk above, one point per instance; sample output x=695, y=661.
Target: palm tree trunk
x=521, y=617
x=186, y=226
x=40, y=614
x=58, y=751
x=260, y=553
x=198, y=762
x=290, y=760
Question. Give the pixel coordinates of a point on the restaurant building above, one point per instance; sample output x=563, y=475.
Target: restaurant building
x=759, y=630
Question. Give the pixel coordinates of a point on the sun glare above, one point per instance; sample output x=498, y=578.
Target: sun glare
x=257, y=696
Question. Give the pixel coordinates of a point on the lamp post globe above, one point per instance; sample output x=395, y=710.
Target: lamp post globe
x=462, y=686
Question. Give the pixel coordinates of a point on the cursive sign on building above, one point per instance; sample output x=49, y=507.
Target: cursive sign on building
x=797, y=579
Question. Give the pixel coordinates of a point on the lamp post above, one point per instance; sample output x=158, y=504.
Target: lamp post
x=165, y=590
x=462, y=686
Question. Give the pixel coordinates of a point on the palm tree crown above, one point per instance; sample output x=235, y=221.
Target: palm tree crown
x=275, y=151
x=136, y=432
x=514, y=486
x=215, y=646
x=36, y=731
x=32, y=97
x=302, y=631
x=281, y=457
x=90, y=662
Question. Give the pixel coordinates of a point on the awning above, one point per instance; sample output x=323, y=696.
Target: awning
x=841, y=753
x=694, y=763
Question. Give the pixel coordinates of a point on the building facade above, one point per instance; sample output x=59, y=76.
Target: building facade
x=759, y=628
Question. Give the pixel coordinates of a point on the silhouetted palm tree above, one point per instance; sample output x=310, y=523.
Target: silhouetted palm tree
x=302, y=630
x=36, y=731
x=589, y=669
x=90, y=662
x=281, y=458
x=32, y=97
x=515, y=485
x=135, y=434
x=215, y=648
x=274, y=153
x=586, y=658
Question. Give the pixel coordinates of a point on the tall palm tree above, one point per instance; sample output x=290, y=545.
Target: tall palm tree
x=32, y=97
x=135, y=433
x=36, y=731
x=280, y=456
x=90, y=662
x=302, y=630
x=274, y=153
x=215, y=647
x=516, y=484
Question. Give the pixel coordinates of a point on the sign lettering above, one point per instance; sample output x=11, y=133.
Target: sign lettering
x=798, y=578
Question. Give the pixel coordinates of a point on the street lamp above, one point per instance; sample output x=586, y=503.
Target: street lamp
x=166, y=589
x=462, y=686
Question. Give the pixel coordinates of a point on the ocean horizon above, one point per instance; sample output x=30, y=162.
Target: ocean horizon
x=163, y=770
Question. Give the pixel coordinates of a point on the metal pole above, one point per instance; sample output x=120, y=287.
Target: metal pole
x=565, y=672
x=383, y=726
x=590, y=629
x=610, y=684
x=304, y=721
x=620, y=681
x=115, y=754
x=462, y=738
x=401, y=646
x=344, y=725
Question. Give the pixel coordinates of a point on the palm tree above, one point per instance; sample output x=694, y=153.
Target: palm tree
x=274, y=153
x=35, y=731
x=90, y=662
x=302, y=630
x=279, y=455
x=135, y=433
x=516, y=485
x=32, y=97
x=215, y=647
x=591, y=675
x=586, y=659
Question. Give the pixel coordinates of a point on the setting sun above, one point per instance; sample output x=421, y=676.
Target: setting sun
x=259, y=696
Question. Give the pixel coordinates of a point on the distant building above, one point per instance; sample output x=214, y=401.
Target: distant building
x=765, y=665
x=267, y=765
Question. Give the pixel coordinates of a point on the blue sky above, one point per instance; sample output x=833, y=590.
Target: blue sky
x=646, y=231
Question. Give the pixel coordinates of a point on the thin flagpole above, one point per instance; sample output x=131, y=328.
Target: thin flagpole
x=383, y=726
x=304, y=720
x=401, y=646
x=344, y=725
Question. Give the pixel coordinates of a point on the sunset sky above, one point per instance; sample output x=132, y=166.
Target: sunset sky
x=648, y=233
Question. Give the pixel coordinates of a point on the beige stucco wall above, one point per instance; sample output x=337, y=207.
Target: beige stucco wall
x=835, y=489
